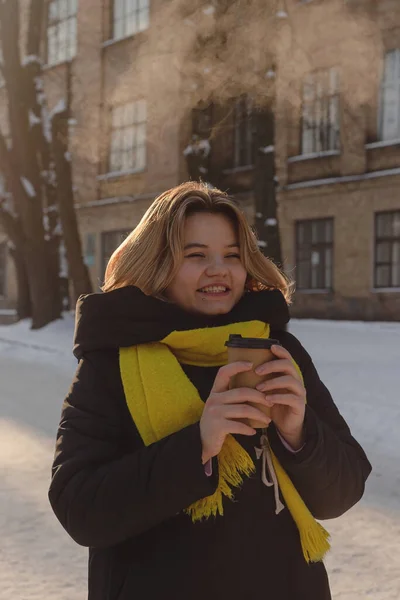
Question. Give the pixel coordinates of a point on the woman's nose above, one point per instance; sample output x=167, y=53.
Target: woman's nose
x=216, y=267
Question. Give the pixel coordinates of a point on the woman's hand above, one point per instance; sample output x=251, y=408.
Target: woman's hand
x=224, y=407
x=288, y=405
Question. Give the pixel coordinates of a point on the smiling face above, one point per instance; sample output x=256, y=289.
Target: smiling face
x=211, y=277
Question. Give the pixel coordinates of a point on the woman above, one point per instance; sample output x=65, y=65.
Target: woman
x=155, y=469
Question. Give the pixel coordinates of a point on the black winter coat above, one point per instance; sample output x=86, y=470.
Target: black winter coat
x=125, y=501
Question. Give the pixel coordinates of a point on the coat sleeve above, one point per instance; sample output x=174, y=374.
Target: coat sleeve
x=331, y=470
x=106, y=488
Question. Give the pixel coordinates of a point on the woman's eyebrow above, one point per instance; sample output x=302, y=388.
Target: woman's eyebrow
x=198, y=245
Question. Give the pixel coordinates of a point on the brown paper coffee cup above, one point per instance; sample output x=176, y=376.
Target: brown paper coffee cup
x=257, y=351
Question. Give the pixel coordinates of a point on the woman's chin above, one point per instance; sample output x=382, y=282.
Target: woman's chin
x=214, y=308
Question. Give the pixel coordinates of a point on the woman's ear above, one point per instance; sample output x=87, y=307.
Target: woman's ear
x=250, y=285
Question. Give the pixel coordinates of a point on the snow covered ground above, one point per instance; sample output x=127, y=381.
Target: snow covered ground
x=360, y=363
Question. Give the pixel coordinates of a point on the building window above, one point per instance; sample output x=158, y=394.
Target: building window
x=389, y=112
x=130, y=17
x=243, y=138
x=61, y=31
x=314, y=254
x=110, y=240
x=387, y=249
x=90, y=250
x=128, y=137
x=320, y=113
x=3, y=264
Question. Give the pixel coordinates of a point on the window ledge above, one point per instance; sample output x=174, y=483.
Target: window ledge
x=312, y=291
x=49, y=66
x=386, y=290
x=313, y=156
x=383, y=144
x=237, y=169
x=117, y=174
x=113, y=41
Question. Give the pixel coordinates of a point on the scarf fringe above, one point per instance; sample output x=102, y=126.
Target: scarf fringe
x=313, y=537
x=234, y=463
x=314, y=542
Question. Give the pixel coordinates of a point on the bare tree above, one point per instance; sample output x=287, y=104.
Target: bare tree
x=37, y=211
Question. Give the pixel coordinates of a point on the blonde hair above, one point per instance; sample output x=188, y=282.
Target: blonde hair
x=151, y=255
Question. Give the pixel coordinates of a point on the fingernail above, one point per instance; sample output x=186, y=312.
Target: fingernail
x=259, y=370
x=259, y=387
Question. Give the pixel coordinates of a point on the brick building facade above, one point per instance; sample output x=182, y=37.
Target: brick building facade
x=337, y=148
x=338, y=157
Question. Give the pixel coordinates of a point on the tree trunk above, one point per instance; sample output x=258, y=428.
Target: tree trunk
x=24, y=304
x=25, y=161
x=77, y=270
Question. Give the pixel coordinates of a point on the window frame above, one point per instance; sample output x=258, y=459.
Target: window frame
x=70, y=46
x=391, y=240
x=317, y=246
x=90, y=247
x=124, y=18
x=322, y=111
x=385, y=88
x=243, y=132
x=135, y=126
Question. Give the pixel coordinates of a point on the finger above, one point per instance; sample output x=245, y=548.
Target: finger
x=221, y=383
x=240, y=428
x=240, y=395
x=244, y=411
x=295, y=402
x=281, y=352
x=286, y=382
x=278, y=366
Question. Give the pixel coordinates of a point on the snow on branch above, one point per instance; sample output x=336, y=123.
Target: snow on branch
x=58, y=230
x=7, y=205
x=46, y=124
x=28, y=187
x=46, y=222
x=209, y=10
x=267, y=149
x=60, y=107
x=34, y=119
x=198, y=147
x=45, y=118
x=31, y=59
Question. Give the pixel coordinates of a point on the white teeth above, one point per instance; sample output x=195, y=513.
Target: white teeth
x=214, y=289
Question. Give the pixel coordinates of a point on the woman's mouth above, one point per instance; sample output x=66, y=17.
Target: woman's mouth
x=215, y=291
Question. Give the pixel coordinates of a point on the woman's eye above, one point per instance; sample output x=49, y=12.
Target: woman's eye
x=196, y=254
x=233, y=256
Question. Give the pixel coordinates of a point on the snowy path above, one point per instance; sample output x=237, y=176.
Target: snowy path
x=37, y=559
x=359, y=363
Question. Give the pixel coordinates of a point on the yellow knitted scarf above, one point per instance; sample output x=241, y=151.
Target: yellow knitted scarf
x=162, y=400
